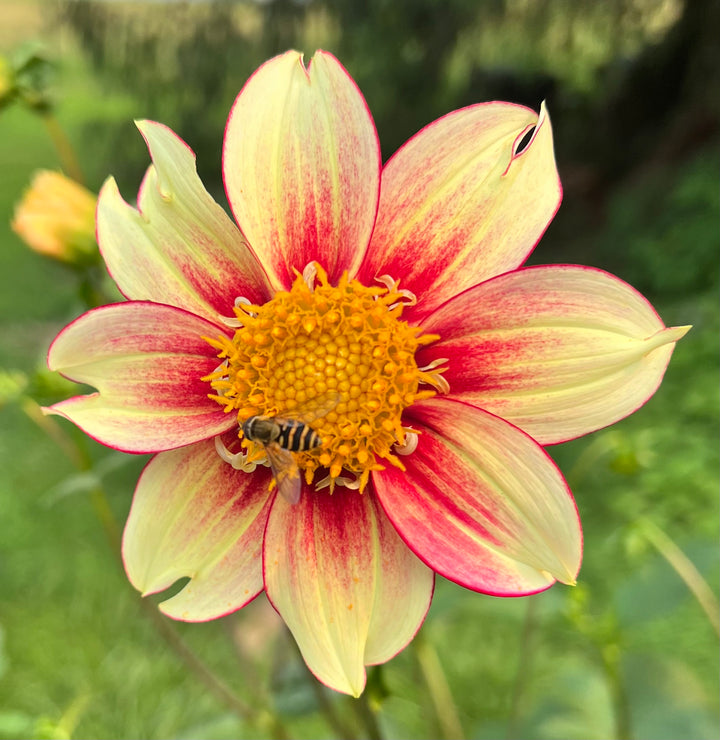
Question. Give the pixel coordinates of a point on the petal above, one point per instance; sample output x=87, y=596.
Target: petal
x=146, y=361
x=558, y=351
x=302, y=166
x=195, y=516
x=180, y=247
x=347, y=587
x=481, y=503
x=458, y=205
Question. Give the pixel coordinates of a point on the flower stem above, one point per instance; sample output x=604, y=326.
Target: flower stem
x=438, y=688
x=687, y=571
x=218, y=687
x=524, y=666
x=589, y=457
x=81, y=460
x=610, y=656
x=327, y=709
x=251, y=674
x=367, y=716
x=66, y=153
x=67, y=724
x=32, y=410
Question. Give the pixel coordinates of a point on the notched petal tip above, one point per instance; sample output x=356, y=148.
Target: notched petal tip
x=527, y=138
x=157, y=135
x=109, y=190
x=301, y=165
x=177, y=246
x=194, y=517
x=366, y=601
x=123, y=350
x=53, y=411
x=461, y=204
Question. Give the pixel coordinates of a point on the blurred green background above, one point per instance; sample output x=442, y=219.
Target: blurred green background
x=634, y=93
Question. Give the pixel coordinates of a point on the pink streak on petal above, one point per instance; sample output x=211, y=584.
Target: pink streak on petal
x=481, y=503
x=458, y=205
x=301, y=163
x=557, y=350
x=179, y=246
x=346, y=585
x=146, y=361
x=194, y=516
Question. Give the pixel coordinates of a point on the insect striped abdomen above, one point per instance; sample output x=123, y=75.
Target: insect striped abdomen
x=297, y=436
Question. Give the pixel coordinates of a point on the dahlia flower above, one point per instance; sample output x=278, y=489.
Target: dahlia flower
x=391, y=300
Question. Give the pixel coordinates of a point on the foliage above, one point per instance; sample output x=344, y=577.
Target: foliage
x=414, y=59
x=675, y=251
x=628, y=652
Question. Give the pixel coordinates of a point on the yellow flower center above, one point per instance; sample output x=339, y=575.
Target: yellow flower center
x=337, y=358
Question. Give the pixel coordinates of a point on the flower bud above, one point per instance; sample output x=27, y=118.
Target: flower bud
x=56, y=217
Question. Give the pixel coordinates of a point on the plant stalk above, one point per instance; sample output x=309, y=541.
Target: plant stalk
x=66, y=152
x=439, y=689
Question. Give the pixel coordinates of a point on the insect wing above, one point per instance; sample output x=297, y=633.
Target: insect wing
x=285, y=471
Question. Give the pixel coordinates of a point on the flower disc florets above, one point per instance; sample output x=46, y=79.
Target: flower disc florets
x=336, y=357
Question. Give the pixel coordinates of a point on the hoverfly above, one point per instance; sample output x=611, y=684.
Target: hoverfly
x=280, y=436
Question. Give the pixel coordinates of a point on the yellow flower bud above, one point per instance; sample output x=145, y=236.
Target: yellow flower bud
x=56, y=217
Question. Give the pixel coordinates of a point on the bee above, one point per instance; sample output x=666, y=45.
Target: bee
x=280, y=436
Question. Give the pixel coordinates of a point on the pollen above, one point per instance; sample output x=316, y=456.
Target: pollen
x=338, y=358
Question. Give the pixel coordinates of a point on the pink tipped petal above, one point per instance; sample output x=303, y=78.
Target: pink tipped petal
x=458, y=205
x=347, y=587
x=146, y=361
x=180, y=247
x=195, y=516
x=558, y=351
x=302, y=166
x=481, y=503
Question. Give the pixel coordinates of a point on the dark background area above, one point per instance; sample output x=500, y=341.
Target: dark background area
x=632, y=86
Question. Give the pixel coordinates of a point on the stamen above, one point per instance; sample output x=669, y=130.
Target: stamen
x=329, y=482
x=337, y=359
x=435, y=379
x=409, y=445
x=407, y=297
x=239, y=460
x=234, y=322
x=309, y=274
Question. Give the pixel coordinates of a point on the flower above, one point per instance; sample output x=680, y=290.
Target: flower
x=56, y=217
x=392, y=301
